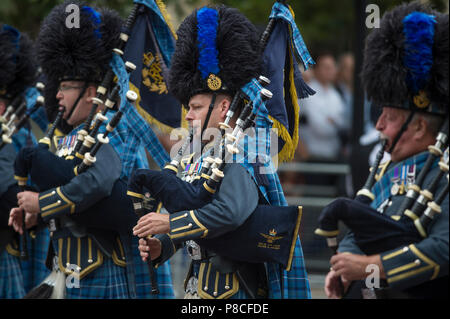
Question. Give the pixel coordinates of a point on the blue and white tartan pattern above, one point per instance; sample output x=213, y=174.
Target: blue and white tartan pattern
x=382, y=188
x=144, y=133
x=163, y=34
x=134, y=149
x=274, y=194
x=118, y=139
x=132, y=155
x=280, y=11
x=39, y=116
x=295, y=282
x=11, y=279
x=34, y=270
x=141, y=129
x=109, y=281
x=34, y=267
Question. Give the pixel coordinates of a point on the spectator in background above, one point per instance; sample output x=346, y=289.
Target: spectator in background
x=324, y=113
x=344, y=86
x=291, y=180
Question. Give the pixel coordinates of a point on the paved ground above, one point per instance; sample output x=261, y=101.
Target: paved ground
x=316, y=282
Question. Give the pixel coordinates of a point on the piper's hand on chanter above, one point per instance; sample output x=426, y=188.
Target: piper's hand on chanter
x=354, y=267
x=152, y=224
x=16, y=219
x=333, y=285
x=29, y=201
x=149, y=245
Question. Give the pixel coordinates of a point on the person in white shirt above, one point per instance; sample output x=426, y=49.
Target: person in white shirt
x=324, y=113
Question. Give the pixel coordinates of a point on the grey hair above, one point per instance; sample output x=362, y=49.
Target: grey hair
x=434, y=122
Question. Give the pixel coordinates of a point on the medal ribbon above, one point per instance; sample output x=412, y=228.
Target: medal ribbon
x=382, y=188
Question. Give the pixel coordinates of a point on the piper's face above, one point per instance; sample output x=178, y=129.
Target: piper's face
x=198, y=110
x=68, y=94
x=389, y=124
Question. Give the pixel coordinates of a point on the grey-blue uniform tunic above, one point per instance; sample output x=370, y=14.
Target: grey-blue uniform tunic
x=231, y=205
x=418, y=269
x=101, y=276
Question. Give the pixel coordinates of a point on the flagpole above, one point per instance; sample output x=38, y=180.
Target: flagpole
x=268, y=31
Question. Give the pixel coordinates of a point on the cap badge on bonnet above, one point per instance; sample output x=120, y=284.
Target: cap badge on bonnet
x=214, y=82
x=421, y=100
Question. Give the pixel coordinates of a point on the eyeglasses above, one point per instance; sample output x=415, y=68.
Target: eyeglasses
x=64, y=88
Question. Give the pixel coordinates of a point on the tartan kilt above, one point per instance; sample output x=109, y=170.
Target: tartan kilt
x=143, y=285
x=11, y=280
x=34, y=270
x=295, y=282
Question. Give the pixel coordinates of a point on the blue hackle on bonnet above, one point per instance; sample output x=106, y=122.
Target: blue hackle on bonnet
x=207, y=22
x=95, y=18
x=418, y=28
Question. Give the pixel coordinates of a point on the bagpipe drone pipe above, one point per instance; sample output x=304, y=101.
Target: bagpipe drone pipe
x=17, y=115
x=375, y=232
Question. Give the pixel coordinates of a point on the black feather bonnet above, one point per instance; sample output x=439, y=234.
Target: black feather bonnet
x=406, y=60
x=77, y=51
x=71, y=49
x=217, y=50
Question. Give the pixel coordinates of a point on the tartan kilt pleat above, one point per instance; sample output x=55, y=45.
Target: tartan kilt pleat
x=34, y=269
x=11, y=280
x=109, y=281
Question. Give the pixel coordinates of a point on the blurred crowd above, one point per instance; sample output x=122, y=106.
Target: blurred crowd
x=325, y=121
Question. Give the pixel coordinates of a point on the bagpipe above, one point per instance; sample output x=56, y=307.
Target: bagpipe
x=16, y=117
x=162, y=184
x=47, y=170
x=244, y=244
x=112, y=214
x=374, y=232
x=254, y=240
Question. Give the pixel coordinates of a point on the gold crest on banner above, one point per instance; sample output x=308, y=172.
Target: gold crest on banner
x=152, y=73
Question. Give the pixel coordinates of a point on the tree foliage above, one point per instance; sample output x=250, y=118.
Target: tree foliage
x=325, y=24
